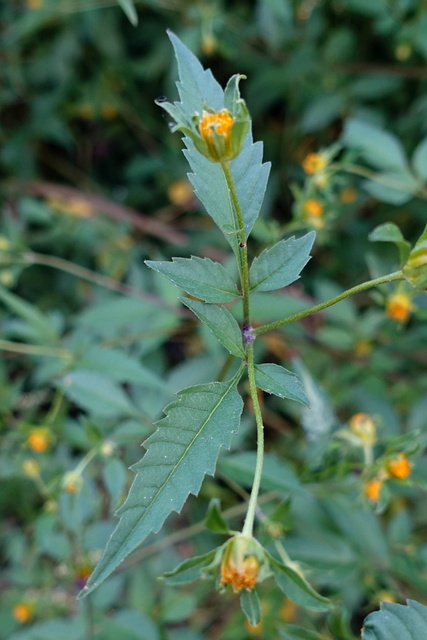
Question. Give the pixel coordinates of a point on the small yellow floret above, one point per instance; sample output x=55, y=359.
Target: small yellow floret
x=39, y=439
x=373, y=489
x=400, y=467
x=222, y=122
x=313, y=207
x=242, y=575
x=314, y=163
x=399, y=307
x=22, y=612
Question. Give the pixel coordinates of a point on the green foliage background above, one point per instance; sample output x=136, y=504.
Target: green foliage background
x=91, y=177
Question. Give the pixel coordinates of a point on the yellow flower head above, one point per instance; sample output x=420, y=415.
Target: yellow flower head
x=22, y=612
x=39, y=439
x=399, y=467
x=240, y=566
x=314, y=163
x=399, y=307
x=313, y=208
x=212, y=125
x=31, y=468
x=363, y=426
x=373, y=489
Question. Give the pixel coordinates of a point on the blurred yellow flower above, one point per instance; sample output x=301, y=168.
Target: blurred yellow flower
x=399, y=307
x=363, y=426
x=31, y=468
x=39, y=439
x=180, y=192
x=399, y=467
x=348, y=195
x=22, y=612
x=373, y=489
x=314, y=163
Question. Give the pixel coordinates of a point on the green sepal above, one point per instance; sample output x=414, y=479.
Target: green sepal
x=389, y=232
x=221, y=323
x=251, y=606
x=214, y=519
x=200, y=277
x=277, y=380
x=415, y=269
x=295, y=586
x=190, y=570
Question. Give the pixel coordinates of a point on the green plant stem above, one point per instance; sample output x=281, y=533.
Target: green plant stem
x=35, y=350
x=243, y=255
x=250, y=515
x=391, y=277
x=377, y=177
x=31, y=258
x=245, y=286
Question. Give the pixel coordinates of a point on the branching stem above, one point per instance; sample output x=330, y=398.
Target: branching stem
x=391, y=277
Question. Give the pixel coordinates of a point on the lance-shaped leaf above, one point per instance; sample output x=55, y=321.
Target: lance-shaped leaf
x=200, y=277
x=415, y=269
x=296, y=587
x=282, y=264
x=189, y=570
x=396, y=621
x=222, y=324
x=275, y=379
x=251, y=606
x=182, y=450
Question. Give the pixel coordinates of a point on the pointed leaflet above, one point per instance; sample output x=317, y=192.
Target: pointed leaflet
x=182, y=450
x=198, y=88
x=251, y=606
x=282, y=264
x=396, y=621
x=189, y=570
x=222, y=324
x=275, y=379
x=200, y=277
x=296, y=587
x=130, y=11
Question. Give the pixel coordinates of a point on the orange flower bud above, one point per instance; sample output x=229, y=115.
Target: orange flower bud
x=213, y=125
x=22, y=612
x=313, y=207
x=314, y=163
x=399, y=467
x=39, y=439
x=240, y=564
x=373, y=489
x=399, y=307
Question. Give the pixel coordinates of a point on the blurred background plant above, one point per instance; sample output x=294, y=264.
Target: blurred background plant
x=93, y=345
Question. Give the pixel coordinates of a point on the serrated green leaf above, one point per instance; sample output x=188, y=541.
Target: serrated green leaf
x=396, y=621
x=378, y=147
x=419, y=160
x=97, y=394
x=251, y=606
x=182, y=450
x=277, y=380
x=200, y=277
x=296, y=587
x=214, y=519
x=189, y=570
x=390, y=232
x=415, y=269
x=282, y=264
x=222, y=324
x=44, y=329
x=197, y=89
x=130, y=11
